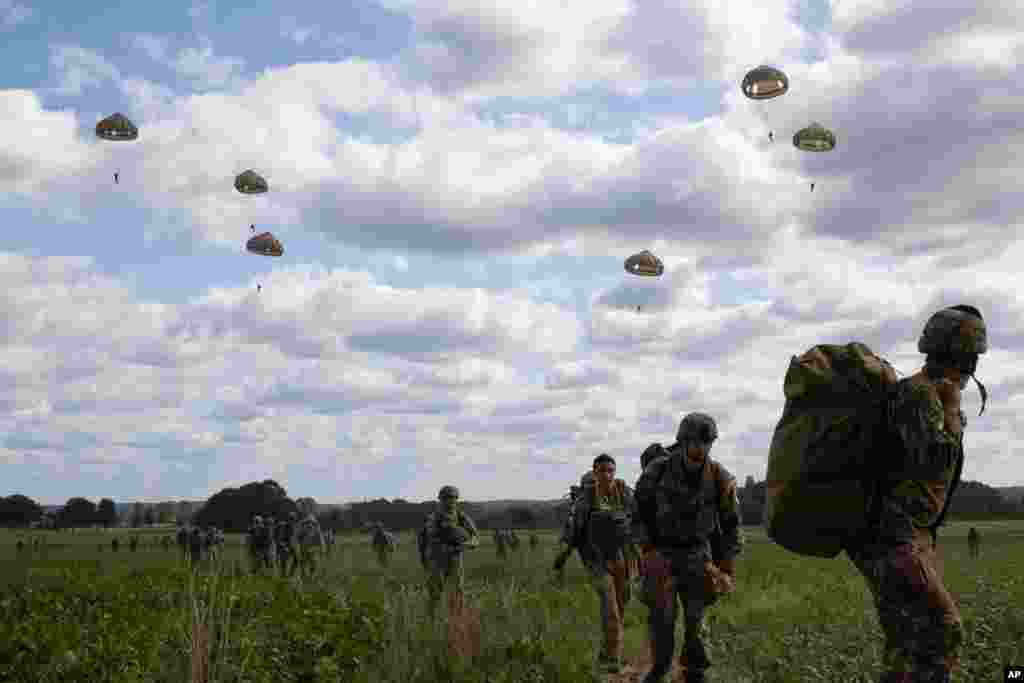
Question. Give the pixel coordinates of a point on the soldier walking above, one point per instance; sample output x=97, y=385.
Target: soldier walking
x=687, y=523
x=383, y=544
x=195, y=547
x=601, y=531
x=447, y=533
x=182, y=539
x=261, y=545
x=974, y=542
x=284, y=534
x=500, y=543
x=566, y=540
x=898, y=554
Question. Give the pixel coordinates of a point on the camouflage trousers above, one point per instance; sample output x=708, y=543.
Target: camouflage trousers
x=680, y=581
x=611, y=581
x=446, y=572
x=383, y=554
x=919, y=618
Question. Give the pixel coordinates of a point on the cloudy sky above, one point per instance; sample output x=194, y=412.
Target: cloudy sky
x=456, y=185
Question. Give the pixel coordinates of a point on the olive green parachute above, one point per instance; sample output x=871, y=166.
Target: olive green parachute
x=116, y=127
x=764, y=82
x=250, y=182
x=815, y=138
x=820, y=472
x=264, y=244
x=645, y=263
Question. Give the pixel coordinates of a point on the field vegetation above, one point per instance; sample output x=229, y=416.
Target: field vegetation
x=77, y=611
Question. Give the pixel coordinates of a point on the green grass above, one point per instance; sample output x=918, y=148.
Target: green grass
x=85, y=614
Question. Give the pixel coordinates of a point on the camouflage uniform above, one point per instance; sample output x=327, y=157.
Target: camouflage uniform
x=501, y=543
x=566, y=539
x=310, y=544
x=445, y=534
x=195, y=546
x=284, y=534
x=384, y=545
x=261, y=544
x=676, y=516
x=182, y=539
x=898, y=554
x=133, y=543
x=974, y=542
x=601, y=531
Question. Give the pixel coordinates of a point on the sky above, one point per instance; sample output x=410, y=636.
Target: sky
x=456, y=186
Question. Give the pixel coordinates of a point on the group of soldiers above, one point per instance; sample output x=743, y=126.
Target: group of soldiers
x=508, y=539
x=291, y=544
x=199, y=544
x=677, y=535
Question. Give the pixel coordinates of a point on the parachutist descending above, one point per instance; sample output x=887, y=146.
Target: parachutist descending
x=812, y=187
x=771, y=137
x=252, y=228
x=259, y=287
x=115, y=179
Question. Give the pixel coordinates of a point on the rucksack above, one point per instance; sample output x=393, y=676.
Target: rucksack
x=657, y=455
x=839, y=401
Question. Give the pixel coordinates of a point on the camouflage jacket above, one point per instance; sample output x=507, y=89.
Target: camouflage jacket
x=923, y=461
x=582, y=532
x=446, y=533
x=670, y=512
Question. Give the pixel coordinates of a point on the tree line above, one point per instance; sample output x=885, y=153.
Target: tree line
x=232, y=509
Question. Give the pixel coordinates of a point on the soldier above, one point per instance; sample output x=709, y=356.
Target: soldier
x=500, y=543
x=383, y=545
x=133, y=543
x=974, y=542
x=284, y=535
x=682, y=499
x=182, y=538
x=310, y=544
x=601, y=532
x=21, y=545
x=210, y=543
x=566, y=541
x=898, y=554
x=114, y=544
x=446, y=533
x=195, y=546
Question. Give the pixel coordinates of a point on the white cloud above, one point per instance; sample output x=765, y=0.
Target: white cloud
x=13, y=14
x=79, y=68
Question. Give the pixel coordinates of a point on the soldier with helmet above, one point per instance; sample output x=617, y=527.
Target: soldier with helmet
x=923, y=449
x=447, y=533
x=686, y=520
x=261, y=544
x=566, y=540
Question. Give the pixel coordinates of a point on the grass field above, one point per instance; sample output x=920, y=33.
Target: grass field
x=79, y=613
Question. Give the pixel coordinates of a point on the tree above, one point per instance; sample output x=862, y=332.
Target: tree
x=232, y=509
x=137, y=515
x=106, y=513
x=19, y=510
x=77, y=512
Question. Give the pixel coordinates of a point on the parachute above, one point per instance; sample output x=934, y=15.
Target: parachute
x=645, y=264
x=815, y=138
x=820, y=476
x=264, y=244
x=116, y=127
x=764, y=83
x=250, y=182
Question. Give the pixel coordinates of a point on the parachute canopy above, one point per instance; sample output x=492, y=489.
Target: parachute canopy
x=116, y=127
x=815, y=138
x=264, y=244
x=645, y=263
x=764, y=82
x=250, y=182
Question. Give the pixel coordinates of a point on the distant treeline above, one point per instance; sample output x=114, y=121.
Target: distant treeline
x=232, y=509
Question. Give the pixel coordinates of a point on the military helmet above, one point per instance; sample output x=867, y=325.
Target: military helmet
x=697, y=427
x=448, y=491
x=958, y=329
